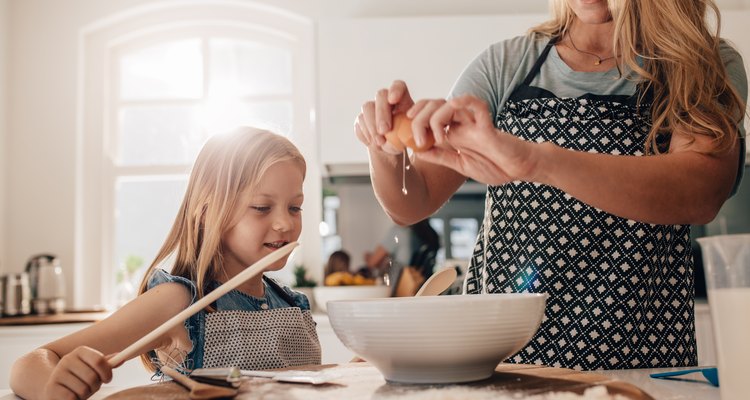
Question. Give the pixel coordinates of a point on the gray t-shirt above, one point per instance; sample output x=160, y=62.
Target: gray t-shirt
x=499, y=69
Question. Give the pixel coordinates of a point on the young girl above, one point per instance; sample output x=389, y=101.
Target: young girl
x=243, y=201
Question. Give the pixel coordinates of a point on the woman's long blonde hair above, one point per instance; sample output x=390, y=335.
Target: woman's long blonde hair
x=227, y=170
x=680, y=63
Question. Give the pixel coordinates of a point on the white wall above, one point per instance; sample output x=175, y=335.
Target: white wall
x=3, y=127
x=42, y=109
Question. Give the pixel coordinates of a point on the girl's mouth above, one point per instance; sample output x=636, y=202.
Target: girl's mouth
x=276, y=245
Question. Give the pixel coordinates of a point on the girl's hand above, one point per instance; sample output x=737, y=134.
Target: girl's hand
x=468, y=142
x=78, y=375
x=375, y=118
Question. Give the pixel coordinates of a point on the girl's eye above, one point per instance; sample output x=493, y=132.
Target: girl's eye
x=295, y=210
x=261, y=209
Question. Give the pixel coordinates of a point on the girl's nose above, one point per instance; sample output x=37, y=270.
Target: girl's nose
x=283, y=223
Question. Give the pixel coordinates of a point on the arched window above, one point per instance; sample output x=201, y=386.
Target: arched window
x=157, y=81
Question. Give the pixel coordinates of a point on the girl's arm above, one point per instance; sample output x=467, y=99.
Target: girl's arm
x=76, y=365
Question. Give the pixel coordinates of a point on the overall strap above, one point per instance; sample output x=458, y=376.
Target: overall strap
x=280, y=291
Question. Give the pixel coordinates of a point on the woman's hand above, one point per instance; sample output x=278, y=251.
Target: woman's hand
x=78, y=375
x=375, y=118
x=467, y=141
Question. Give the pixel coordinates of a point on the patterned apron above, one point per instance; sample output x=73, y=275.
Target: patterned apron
x=266, y=339
x=620, y=291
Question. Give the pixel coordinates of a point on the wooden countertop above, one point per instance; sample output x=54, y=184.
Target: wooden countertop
x=364, y=381
x=62, y=318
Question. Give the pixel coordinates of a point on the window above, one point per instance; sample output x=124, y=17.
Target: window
x=172, y=76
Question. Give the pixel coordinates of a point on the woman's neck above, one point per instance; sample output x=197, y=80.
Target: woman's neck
x=594, y=38
x=588, y=47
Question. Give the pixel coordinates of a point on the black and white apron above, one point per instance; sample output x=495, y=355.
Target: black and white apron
x=620, y=291
x=265, y=339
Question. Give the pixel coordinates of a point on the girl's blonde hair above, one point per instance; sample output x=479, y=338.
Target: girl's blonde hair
x=227, y=170
x=680, y=63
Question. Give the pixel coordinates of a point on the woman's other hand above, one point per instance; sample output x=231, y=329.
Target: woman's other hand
x=468, y=142
x=375, y=118
x=78, y=375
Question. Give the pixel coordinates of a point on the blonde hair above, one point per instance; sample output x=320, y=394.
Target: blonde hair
x=227, y=170
x=680, y=63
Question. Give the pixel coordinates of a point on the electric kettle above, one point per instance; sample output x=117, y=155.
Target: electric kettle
x=47, y=284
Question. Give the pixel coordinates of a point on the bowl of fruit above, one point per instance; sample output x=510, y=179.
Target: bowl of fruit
x=348, y=286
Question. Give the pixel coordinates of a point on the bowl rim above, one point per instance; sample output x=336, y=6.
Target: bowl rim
x=350, y=287
x=447, y=298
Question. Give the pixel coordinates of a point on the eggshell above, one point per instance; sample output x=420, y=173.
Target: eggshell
x=393, y=139
x=402, y=126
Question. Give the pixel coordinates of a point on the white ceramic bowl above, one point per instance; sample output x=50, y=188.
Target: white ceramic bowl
x=437, y=339
x=324, y=294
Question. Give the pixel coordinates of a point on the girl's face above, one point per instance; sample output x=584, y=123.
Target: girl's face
x=271, y=219
x=590, y=11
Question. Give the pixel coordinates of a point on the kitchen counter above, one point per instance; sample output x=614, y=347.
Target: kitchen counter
x=685, y=387
x=362, y=381
x=62, y=318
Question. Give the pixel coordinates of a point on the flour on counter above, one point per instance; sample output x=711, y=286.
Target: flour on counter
x=454, y=393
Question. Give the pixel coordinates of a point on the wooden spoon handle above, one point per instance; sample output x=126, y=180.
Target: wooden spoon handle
x=139, y=346
x=178, y=377
x=199, y=391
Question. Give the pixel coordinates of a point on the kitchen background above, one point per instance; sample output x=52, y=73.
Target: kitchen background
x=84, y=174
x=103, y=105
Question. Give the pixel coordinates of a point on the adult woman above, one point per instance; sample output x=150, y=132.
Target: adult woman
x=574, y=208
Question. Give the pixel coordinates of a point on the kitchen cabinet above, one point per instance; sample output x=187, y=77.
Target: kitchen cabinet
x=358, y=56
x=17, y=340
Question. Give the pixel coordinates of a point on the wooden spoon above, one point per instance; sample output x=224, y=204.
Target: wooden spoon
x=438, y=282
x=199, y=391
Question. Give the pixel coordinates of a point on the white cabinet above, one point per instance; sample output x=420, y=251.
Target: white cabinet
x=333, y=351
x=359, y=56
x=18, y=340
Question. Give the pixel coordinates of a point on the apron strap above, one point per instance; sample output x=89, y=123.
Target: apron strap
x=539, y=61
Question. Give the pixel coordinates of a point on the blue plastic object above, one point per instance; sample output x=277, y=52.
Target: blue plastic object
x=711, y=374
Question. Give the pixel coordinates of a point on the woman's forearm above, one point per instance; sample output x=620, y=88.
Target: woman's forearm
x=386, y=173
x=427, y=186
x=675, y=188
